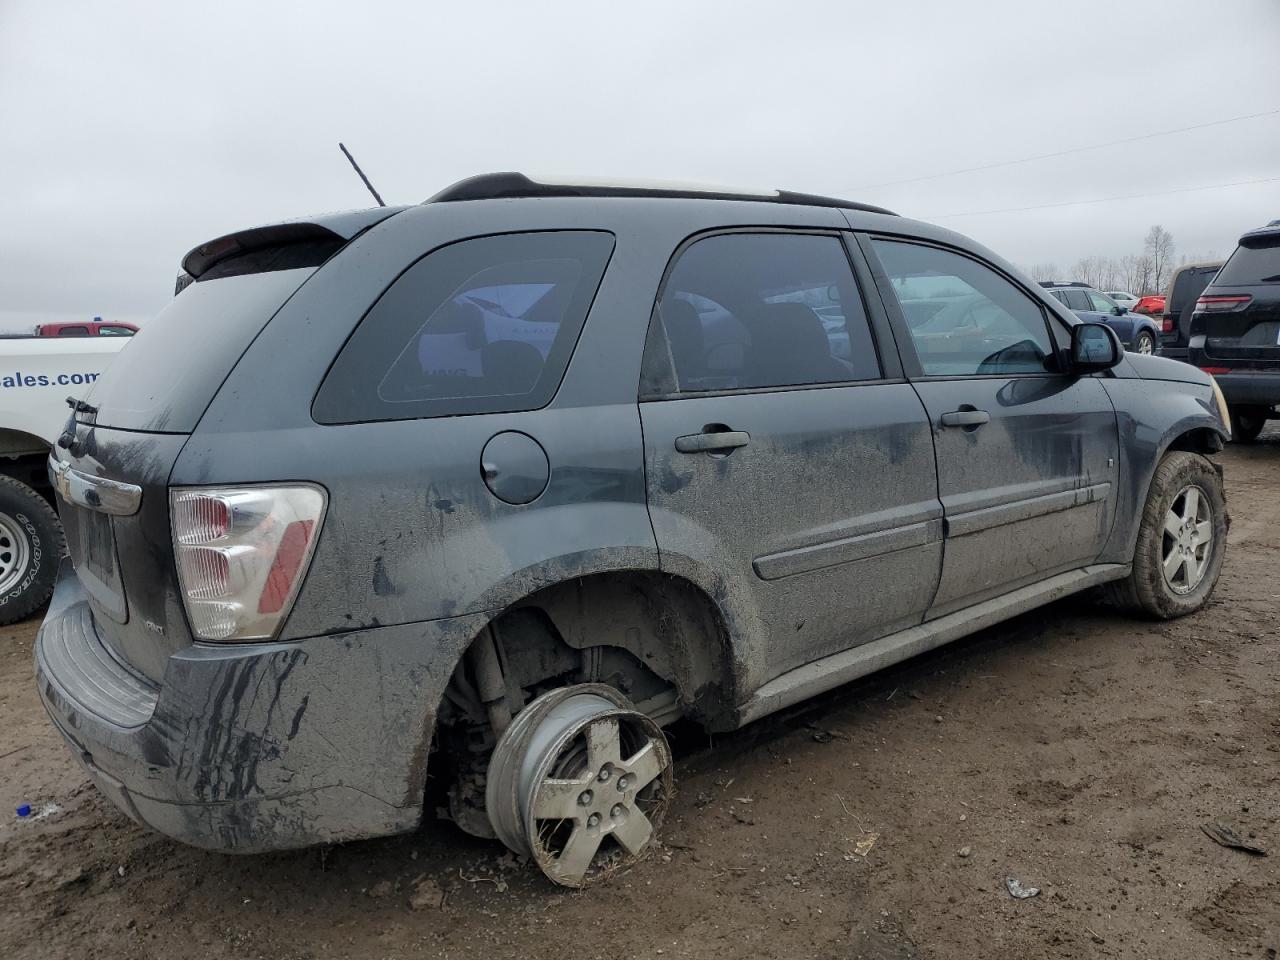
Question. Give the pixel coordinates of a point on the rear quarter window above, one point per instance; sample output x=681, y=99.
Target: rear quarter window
x=485, y=325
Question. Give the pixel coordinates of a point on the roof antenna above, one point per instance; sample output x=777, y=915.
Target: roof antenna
x=348, y=155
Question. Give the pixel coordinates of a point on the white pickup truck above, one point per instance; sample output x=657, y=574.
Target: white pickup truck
x=37, y=374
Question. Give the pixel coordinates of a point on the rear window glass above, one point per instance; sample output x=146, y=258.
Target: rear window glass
x=1188, y=285
x=481, y=326
x=164, y=378
x=1252, y=264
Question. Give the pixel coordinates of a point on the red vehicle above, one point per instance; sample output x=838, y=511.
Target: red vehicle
x=87, y=328
x=1152, y=306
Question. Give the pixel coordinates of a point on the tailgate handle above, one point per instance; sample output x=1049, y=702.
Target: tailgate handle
x=966, y=418
x=712, y=440
x=94, y=493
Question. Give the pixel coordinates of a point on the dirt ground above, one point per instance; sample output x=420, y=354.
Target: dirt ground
x=1073, y=749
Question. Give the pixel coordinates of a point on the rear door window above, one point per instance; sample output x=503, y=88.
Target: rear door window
x=481, y=326
x=743, y=311
x=1076, y=300
x=965, y=319
x=74, y=332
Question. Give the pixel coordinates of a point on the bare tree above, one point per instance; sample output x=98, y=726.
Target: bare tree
x=1158, y=247
x=1131, y=271
x=1043, y=271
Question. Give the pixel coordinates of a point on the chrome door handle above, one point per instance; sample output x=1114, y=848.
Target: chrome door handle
x=965, y=418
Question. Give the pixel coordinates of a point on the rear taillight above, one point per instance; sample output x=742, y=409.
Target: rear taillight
x=1214, y=371
x=1166, y=324
x=1222, y=303
x=242, y=553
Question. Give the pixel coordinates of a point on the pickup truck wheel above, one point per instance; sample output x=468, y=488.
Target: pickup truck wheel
x=1181, y=540
x=1144, y=342
x=31, y=544
x=1247, y=423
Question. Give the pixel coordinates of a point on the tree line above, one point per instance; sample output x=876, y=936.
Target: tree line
x=1141, y=274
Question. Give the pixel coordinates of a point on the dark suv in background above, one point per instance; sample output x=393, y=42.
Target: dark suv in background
x=496, y=486
x=1235, y=331
x=1137, y=332
x=1185, y=286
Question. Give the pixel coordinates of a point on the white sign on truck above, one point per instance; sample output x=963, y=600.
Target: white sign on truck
x=37, y=374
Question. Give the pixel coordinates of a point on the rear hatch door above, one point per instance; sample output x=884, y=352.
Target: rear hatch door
x=113, y=464
x=1239, y=313
x=1180, y=303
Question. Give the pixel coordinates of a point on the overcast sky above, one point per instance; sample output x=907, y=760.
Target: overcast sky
x=133, y=131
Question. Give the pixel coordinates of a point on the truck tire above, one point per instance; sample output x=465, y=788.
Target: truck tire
x=1181, y=541
x=31, y=545
x=1247, y=422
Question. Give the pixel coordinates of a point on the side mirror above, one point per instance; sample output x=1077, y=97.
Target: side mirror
x=1121, y=311
x=1094, y=347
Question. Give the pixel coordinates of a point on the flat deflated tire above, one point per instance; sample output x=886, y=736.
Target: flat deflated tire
x=1181, y=540
x=31, y=544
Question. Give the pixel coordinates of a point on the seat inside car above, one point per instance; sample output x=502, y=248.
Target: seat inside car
x=790, y=345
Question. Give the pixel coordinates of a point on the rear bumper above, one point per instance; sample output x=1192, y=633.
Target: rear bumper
x=1249, y=386
x=253, y=747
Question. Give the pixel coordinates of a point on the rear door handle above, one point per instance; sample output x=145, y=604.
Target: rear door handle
x=711, y=441
x=965, y=418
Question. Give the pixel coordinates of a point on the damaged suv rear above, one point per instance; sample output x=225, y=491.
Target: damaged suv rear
x=498, y=486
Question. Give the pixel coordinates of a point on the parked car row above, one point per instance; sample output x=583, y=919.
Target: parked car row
x=1138, y=333
x=493, y=488
x=1221, y=317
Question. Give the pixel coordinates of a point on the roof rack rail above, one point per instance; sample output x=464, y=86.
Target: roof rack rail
x=494, y=186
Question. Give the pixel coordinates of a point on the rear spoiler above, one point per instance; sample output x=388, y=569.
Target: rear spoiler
x=327, y=233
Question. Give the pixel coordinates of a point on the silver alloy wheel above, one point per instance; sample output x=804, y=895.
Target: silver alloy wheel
x=14, y=551
x=1188, y=540
x=1146, y=344
x=591, y=781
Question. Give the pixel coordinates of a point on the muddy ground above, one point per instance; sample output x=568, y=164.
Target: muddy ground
x=1072, y=749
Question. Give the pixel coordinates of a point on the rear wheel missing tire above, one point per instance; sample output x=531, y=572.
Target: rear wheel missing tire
x=31, y=544
x=580, y=782
x=1181, y=540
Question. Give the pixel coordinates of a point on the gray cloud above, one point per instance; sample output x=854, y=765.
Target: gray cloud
x=135, y=130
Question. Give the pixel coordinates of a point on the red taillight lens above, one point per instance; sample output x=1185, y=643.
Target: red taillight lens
x=1222, y=303
x=242, y=553
x=1166, y=324
x=1213, y=371
x=284, y=569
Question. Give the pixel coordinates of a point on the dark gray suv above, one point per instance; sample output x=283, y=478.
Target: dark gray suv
x=467, y=501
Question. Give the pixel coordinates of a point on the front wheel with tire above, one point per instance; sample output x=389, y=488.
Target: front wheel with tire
x=31, y=544
x=1181, y=540
x=1247, y=422
x=1144, y=342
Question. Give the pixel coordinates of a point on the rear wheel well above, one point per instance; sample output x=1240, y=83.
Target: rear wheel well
x=658, y=639
x=668, y=629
